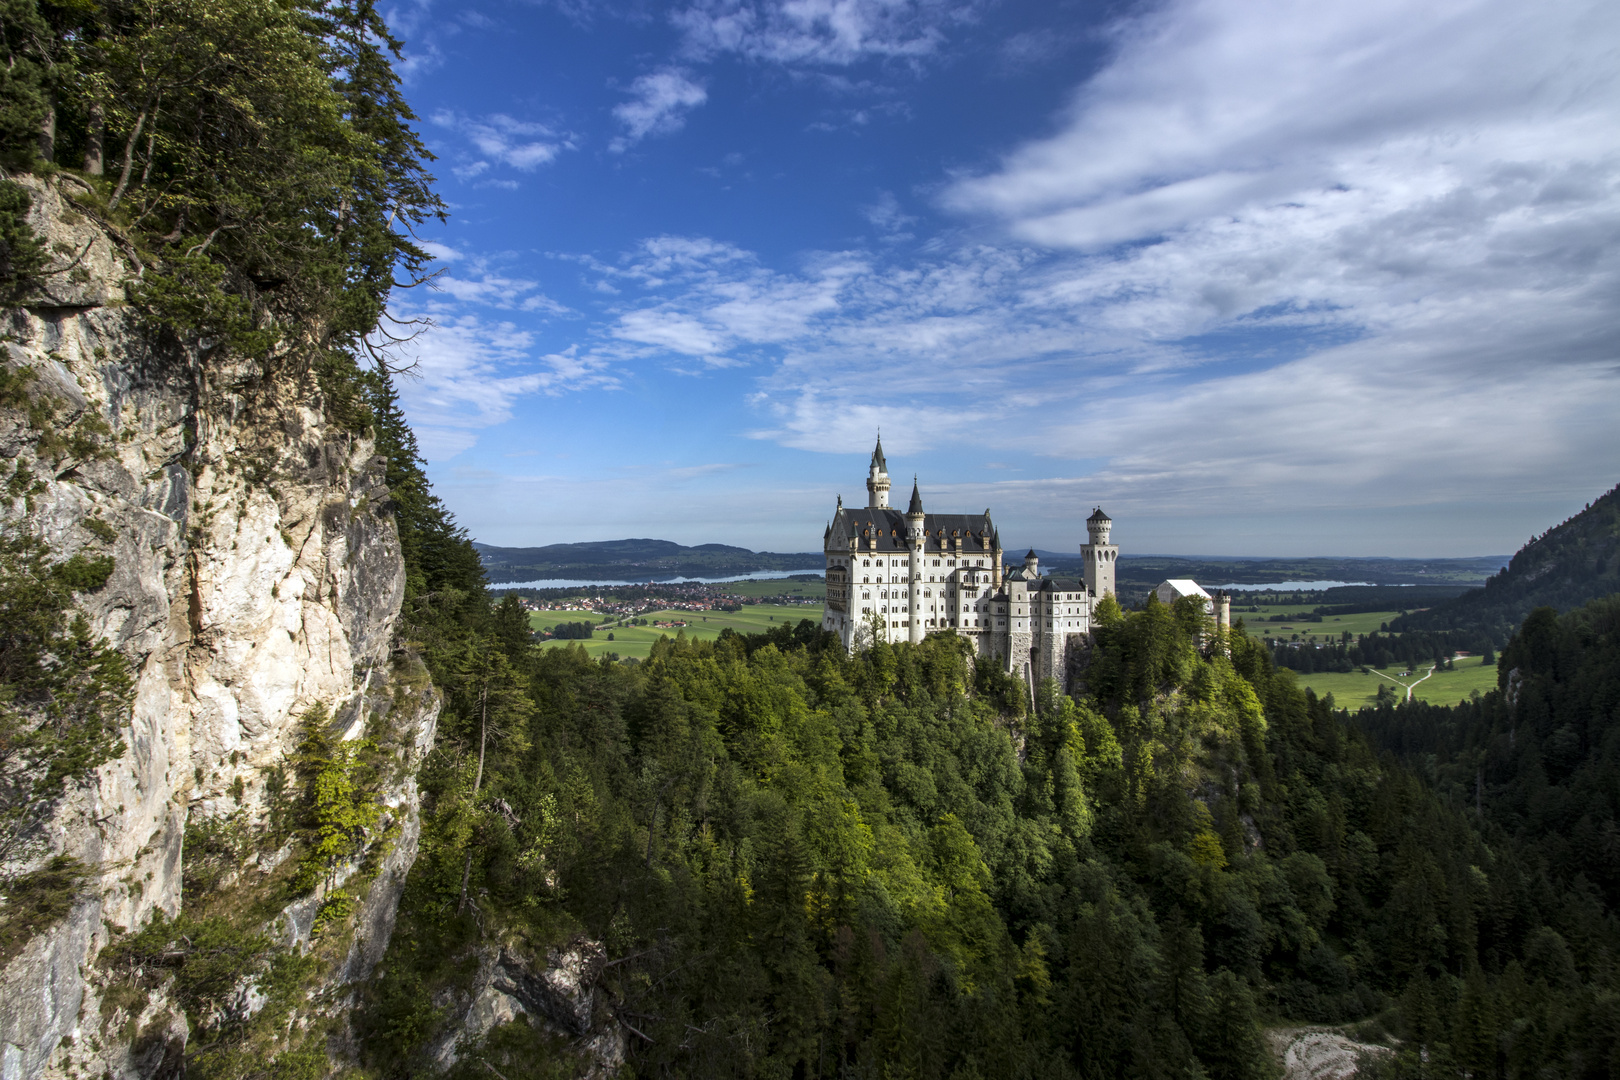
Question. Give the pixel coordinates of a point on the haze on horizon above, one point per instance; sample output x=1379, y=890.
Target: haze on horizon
x=1260, y=278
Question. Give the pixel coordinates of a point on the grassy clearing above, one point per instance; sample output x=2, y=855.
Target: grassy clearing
x=545, y=620
x=810, y=590
x=637, y=641
x=1353, y=690
x=1331, y=626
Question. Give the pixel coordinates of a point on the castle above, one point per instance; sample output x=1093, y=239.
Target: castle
x=900, y=577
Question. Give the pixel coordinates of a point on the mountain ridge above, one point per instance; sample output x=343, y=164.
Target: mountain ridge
x=636, y=557
x=1571, y=564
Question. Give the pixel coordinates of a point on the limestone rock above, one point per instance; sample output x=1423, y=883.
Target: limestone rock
x=557, y=991
x=257, y=574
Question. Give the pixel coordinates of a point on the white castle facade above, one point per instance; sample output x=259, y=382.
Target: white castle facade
x=896, y=576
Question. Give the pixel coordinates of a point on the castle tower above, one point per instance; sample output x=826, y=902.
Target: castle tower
x=1032, y=564
x=915, y=519
x=1099, y=556
x=877, y=479
x=1221, y=601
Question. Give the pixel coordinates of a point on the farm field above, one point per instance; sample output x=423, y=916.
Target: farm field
x=545, y=620
x=637, y=641
x=810, y=590
x=1331, y=626
x=1353, y=690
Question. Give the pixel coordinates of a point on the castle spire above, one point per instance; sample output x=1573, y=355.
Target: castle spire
x=877, y=479
x=916, y=499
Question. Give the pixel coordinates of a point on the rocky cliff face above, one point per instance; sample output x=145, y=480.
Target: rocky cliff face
x=257, y=577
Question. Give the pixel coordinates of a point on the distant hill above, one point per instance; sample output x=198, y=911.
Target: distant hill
x=1564, y=568
x=1137, y=574
x=634, y=560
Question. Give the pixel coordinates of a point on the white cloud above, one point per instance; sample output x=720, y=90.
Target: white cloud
x=1278, y=254
x=496, y=290
x=499, y=139
x=836, y=32
x=886, y=216
x=717, y=299
x=658, y=106
x=470, y=372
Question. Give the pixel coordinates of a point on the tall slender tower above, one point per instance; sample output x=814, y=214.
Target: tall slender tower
x=877, y=480
x=915, y=538
x=1099, y=555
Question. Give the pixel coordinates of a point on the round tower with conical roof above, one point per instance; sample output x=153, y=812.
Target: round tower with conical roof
x=877, y=480
x=1099, y=555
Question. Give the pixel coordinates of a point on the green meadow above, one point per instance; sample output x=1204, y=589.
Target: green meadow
x=810, y=590
x=1352, y=690
x=1331, y=626
x=545, y=620
x=637, y=641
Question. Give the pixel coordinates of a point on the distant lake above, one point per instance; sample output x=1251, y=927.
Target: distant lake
x=1292, y=586
x=571, y=583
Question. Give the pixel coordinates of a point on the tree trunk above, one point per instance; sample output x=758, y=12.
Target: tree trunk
x=47, y=129
x=478, y=780
x=95, y=136
x=129, y=161
x=483, y=735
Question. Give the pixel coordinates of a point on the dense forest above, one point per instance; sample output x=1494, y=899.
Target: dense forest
x=1379, y=650
x=903, y=863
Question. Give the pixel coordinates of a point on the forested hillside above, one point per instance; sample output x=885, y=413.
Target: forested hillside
x=1564, y=567
x=634, y=560
x=788, y=861
x=1536, y=766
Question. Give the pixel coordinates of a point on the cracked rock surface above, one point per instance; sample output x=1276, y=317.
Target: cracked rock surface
x=257, y=574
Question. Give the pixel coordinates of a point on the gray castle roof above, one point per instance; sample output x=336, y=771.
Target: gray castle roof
x=916, y=499
x=888, y=525
x=1098, y=515
x=877, y=456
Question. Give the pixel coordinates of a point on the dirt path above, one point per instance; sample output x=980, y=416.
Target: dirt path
x=1407, y=686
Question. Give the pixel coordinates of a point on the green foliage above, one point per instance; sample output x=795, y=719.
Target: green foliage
x=1529, y=984
x=208, y=966
x=37, y=901
x=255, y=160
x=340, y=805
x=56, y=440
x=22, y=256
x=83, y=573
x=64, y=694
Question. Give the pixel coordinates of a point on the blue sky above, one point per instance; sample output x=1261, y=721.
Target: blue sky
x=1261, y=278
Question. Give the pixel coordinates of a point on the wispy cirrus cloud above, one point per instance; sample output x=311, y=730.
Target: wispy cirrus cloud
x=658, y=105
x=501, y=140
x=820, y=32
x=478, y=280
x=470, y=371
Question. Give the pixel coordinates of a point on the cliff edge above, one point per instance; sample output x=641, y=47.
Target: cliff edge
x=255, y=585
